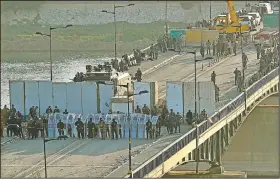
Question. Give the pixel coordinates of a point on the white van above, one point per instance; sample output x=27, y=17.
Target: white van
x=267, y=9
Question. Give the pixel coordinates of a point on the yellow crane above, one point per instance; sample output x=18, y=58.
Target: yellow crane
x=232, y=23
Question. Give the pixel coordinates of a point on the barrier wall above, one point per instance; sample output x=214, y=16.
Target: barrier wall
x=74, y=97
x=198, y=35
x=122, y=107
x=106, y=92
x=140, y=100
x=189, y=96
x=137, y=123
x=31, y=95
x=17, y=95
x=164, y=161
x=89, y=98
x=174, y=97
x=176, y=33
x=205, y=97
x=59, y=95
x=45, y=96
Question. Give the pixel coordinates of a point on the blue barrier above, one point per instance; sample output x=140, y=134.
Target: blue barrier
x=204, y=126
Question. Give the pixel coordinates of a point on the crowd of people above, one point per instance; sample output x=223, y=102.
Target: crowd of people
x=164, y=43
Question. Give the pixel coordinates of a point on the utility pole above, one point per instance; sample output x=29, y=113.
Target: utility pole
x=166, y=28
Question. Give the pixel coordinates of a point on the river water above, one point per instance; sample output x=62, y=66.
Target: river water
x=86, y=15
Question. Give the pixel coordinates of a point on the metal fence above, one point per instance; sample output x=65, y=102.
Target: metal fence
x=180, y=143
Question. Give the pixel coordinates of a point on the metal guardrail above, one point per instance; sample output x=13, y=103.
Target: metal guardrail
x=180, y=143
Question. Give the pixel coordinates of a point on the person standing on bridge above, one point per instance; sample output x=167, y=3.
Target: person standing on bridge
x=80, y=128
x=60, y=128
x=146, y=110
x=234, y=46
x=244, y=60
x=102, y=128
x=236, y=73
x=202, y=50
x=149, y=126
x=138, y=110
x=114, y=130
x=258, y=48
x=138, y=75
x=178, y=119
x=217, y=90
x=208, y=45
x=189, y=116
x=213, y=77
x=90, y=128
x=214, y=48
x=152, y=52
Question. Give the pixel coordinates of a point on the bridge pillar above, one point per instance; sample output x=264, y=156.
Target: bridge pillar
x=213, y=148
x=231, y=128
x=202, y=151
x=227, y=134
x=222, y=138
x=207, y=149
x=218, y=147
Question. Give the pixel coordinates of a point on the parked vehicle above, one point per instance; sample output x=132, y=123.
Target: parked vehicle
x=246, y=19
x=257, y=17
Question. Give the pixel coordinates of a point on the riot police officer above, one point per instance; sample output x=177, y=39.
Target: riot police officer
x=138, y=110
x=90, y=128
x=149, y=129
x=178, y=122
x=146, y=110
x=114, y=129
x=60, y=128
x=102, y=127
x=208, y=45
x=236, y=72
x=189, y=116
x=80, y=128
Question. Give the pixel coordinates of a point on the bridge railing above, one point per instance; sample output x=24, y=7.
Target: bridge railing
x=184, y=140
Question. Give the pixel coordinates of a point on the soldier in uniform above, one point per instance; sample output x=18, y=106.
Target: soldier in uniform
x=154, y=111
x=158, y=127
x=239, y=83
x=114, y=129
x=217, y=90
x=258, y=47
x=202, y=50
x=159, y=43
x=56, y=110
x=146, y=110
x=5, y=115
x=214, y=48
x=164, y=114
x=90, y=128
x=102, y=128
x=208, y=45
x=189, y=116
x=178, y=122
x=80, y=128
x=244, y=60
x=121, y=64
x=236, y=73
x=152, y=53
x=234, y=47
x=171, y=120
x=213, y=77
x=60, y=128
x=138, y=75
x=156, y=52
x=149, y=129
x=138, y=110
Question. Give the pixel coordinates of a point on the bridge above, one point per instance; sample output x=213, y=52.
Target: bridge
x=214, y=137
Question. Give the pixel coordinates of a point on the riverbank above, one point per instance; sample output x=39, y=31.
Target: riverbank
x=20, y=44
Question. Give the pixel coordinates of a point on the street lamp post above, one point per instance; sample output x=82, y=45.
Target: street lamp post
x=50, y=36
x=45, y=140
x=128, y=118
x=166, y=28
x=195, y=109
x=115, y=23
x=210, y=11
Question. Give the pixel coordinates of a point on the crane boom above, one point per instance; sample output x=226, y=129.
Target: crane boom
x=232, y=11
